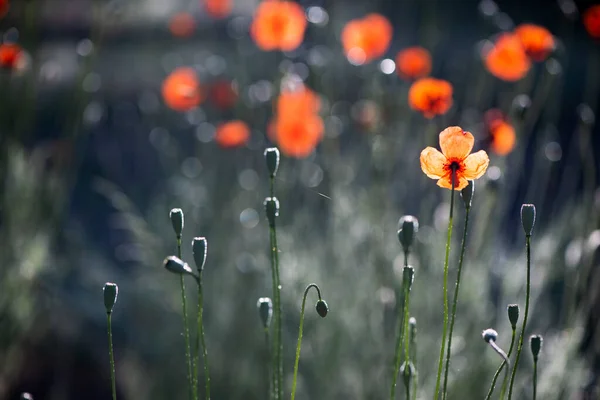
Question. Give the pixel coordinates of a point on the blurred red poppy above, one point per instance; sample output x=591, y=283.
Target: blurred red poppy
x=366, y=39
x=278, y=25
x=501, y=132
x=430, y=96
x=223, y=94
x=182, y=25
x=413, y=63
x=537, y=41
x=11, y=55
x=591, y=21
x=507, y=59
x=181, y=89
x=232, y=134
x=218, y=9
x=4, y=6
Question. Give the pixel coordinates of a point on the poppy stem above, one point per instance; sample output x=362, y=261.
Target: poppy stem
x=455, y=300
x=499, y=370
x=186, y=331
x=201, y=341
x=112, y=357
x=521, y=338
x=402, y=329
x=445, y=287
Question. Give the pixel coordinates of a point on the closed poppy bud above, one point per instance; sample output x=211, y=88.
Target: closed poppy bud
x=111, y=290
x=408, y=275
x=272, y=209
x=199, y=246
x=26, y=396
x=176, y=216
x=489, y=334
x=467, y=194
x=535, y=341
x=408, y=226
x=177, y=266
x=513, y=315
x=528, y=218
x=322, y=308
x=407, y=371
x=272, y=159
x=412, y=328
x=265, y=311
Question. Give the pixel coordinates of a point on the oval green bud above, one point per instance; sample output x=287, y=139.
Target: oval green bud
x=265, y=310
x=489, y=334
x=272, y=160
x=322, y=308
x=408, y=276
x=513, y=315
x=467, y=194
x=176, y=216
x=272, y=209
x=408, y=226
x=407, y=371
x=528, y=218
x=199, y=248
x=535, y=342
x=177, y=266
x=111, y=290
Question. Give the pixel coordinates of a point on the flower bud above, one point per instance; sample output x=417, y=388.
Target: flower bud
x=272, y=209
x=412, y=328
x=322, y=308
x=199, y=246
x=489, y=334
x=528, y=218
x=265, y=311
x=111, y=290
x=407, y=371
x=535, y=341
x=177, y=266
x=513, y=315
x=408, y=275
x=408, y=226
x=26, y=396
x=176, y=216
x=467, y=194
x=272, y=159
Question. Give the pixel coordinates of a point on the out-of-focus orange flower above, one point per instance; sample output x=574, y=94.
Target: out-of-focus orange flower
x=454, y=164
x=413, y=63
x=430, y=96
x=366, y=39
x=232, y=134
x=223, y=94
x=591, y=21
x=182, y=25
x=300, y=101
x=10, y=55
x=278, y=25
x=4, y=6
x=218, y=9
x=297, y=135
x=502, y=133
x=537, y=41
x=181, y=90
x=507, y=59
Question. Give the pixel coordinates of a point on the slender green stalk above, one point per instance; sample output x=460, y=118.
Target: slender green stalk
x=402, y=329
x=186, y=332
x=407, y=391
x=501, y=352
x=521, y=338
x=200, y=341
x=413, y=348
x=111, y=354
x=499, y=370
x=534, y=379
x=270, y=377
x=455, y=300
x=312, y=285
x=445, y=290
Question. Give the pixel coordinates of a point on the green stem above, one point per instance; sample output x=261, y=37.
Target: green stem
x=402, y=329
x=534, y=379
x=201, y=341
x=455, y=300
x=445, y=290
x=186, y=331
x=521, y=338
x=111, y=354
x=312, y=285
x=499, y=370
x=270, y=383
x=407, y=389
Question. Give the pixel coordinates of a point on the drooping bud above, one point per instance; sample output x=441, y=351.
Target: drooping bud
x=467, y=194
x=489, y=334
x=272, y=159
x=408, y=226
x=272, y=209
x=513, y=315
x=177, y=266
x=199, y=247
x=528, y=218
x=408, y=275
x=535, y=341
x=407, y=371
x=322, y=308
x=265, y=311
x=111, y=290
x=176, y=216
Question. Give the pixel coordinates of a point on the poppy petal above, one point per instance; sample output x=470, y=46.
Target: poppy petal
x=432, y=163
x=455, y=143
x=475, y=165
x=446, y=182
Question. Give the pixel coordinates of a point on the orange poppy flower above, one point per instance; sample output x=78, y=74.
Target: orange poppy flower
x=591, y=21
x=181, y=89
x=366, y=39
x=232, y=134
x=223, y=94
x=537, y=41
x=297, y=135
x=413, y=63
x=502, y=133
x=507, y=59
x=430, y=96
x=218, y=9
x=10, y=55
x=182, y=25
x=454, y=164
x=278, y=25
x=300, y=101
x=4, y=6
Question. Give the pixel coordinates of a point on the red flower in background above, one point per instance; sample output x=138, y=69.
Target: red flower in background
x=11, y=55
x=507, y=59
x=537, y=41
x=278, y=25
x=232, y=134
x=181, y=90
x=430, y=96
x=591, y=21
x=413, y=63
x=218, y=9
x=4, y=6
x=223, y=94
x=366, y=39
x=502, y=134
x=182, y=25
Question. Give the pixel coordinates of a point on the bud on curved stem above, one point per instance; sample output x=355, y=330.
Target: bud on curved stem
x=177, y=266
x=490, y=336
